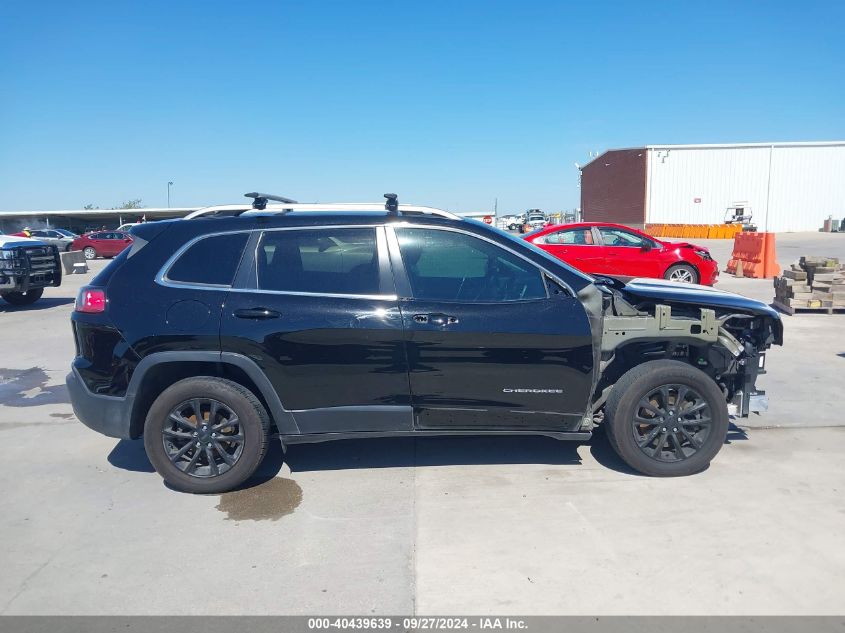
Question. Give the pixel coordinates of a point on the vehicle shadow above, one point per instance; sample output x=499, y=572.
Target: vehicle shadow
x=130, y=455
x=430, y=451
x=41, y=304
x=408, y=452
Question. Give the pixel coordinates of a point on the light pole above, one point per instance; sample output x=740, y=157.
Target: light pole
x=169, y=185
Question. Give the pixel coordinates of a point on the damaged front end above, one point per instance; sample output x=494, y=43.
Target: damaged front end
x=723, y=334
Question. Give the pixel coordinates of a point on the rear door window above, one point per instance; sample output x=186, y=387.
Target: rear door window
x=321, y=261
x=571, y=237
x=210, y=261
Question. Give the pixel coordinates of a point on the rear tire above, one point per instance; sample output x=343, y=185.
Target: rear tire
x=23, y=298
x=184, y=451
x=683, y=273
x=665, y=418
x=89, y=252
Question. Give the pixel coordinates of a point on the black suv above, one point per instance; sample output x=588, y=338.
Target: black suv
x=309, y=322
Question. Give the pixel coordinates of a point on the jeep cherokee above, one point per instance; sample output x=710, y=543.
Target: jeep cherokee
x=312, y=322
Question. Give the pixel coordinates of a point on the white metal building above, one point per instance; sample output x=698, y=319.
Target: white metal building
x=788, y=186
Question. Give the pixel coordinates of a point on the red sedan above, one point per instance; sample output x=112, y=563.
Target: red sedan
x=101, y=243
x=613, y=249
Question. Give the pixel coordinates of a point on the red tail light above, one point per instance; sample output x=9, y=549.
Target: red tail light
x=91, y=300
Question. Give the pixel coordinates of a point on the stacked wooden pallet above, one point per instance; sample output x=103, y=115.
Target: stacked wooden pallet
x=813, y=283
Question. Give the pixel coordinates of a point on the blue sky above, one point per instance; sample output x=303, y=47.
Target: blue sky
x=448, y=103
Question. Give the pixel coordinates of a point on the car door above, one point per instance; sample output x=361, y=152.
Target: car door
x=45, y=236
x=576, y=246
x=108, y=242
x=58, y=240
x=117, y=242
x=55, y=238
x=491, y=341
x=628, y=254
x=99, y=242
x=316, y=309
x=40, y=235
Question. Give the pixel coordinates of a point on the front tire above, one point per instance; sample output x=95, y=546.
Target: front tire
x=23, y=298
x=206, y=435
x=666, y=419
x=89, y=252
x=683, y=273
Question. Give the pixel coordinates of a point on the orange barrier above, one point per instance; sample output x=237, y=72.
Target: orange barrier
x=754, y=254
x=692, y=231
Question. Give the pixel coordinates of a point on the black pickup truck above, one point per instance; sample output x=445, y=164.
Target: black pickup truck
x=27, y=266
x=313, y=322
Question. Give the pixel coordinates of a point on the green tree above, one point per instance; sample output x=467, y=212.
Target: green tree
x=89, y=207
x=131, y=204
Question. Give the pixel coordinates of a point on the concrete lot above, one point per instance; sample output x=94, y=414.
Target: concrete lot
x=438, y=526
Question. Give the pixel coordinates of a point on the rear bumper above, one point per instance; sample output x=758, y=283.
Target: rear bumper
x=109, y=415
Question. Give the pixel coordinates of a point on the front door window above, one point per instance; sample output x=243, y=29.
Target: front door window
x=451, y=266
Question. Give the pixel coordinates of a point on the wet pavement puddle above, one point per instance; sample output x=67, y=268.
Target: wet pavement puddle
x=28, y=388
x=269, y=501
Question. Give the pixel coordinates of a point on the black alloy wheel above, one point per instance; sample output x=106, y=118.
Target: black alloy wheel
x=203, y=437
x=206, y=434
x=666, y=418
x=672, y=423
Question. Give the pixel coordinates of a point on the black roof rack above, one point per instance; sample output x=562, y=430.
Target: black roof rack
x=260, y=204
x=392, y=204
x=259, y=200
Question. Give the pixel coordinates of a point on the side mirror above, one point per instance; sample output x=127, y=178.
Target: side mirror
x=646, y=247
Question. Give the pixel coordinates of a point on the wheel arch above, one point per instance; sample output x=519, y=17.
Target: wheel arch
x=683, y=262
x=158, y=371
x=630, y=354
x=635, y=353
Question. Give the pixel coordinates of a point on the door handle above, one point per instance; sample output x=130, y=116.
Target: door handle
x=437, y=318
x=257, y=313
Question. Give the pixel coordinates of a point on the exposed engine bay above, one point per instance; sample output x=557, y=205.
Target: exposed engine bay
x=726, y=338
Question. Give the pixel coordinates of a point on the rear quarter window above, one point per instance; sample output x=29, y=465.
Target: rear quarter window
x=210, y=261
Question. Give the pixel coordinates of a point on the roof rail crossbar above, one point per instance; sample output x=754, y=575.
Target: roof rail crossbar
x=259, y=200
x=260, y=206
